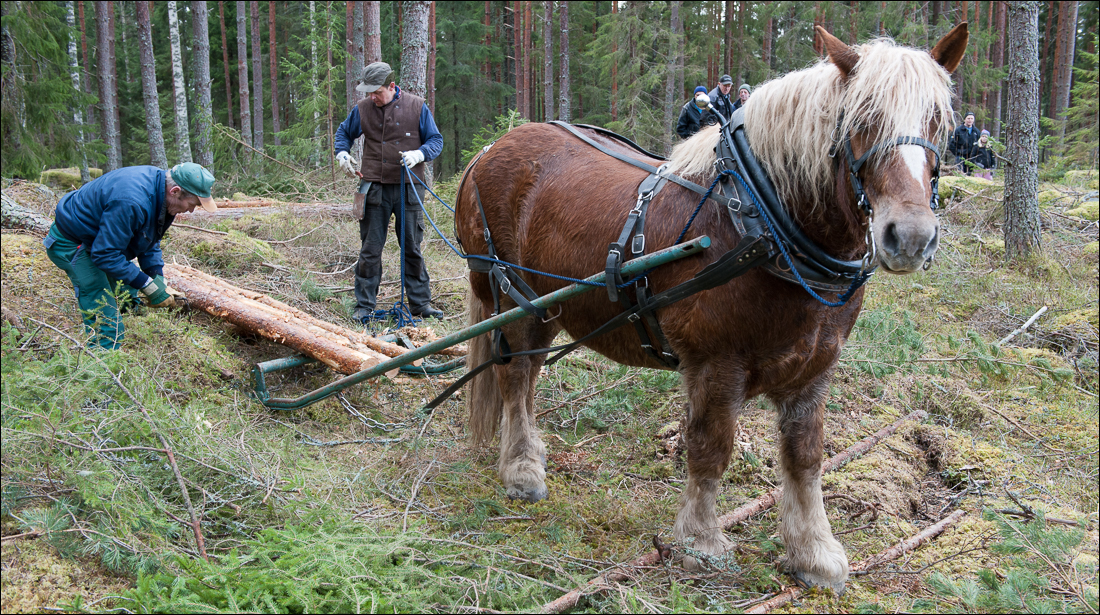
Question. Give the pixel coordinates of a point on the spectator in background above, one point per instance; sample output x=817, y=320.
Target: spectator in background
x=720, y=96
x=963, y=141
x=742, y=96
x=692, y=118
x=983, y=159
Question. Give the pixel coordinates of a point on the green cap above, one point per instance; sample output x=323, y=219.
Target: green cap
x=196, y=180
x=746, y=87
x=374, y=76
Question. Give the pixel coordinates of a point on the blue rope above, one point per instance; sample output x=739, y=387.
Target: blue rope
x=841, y=300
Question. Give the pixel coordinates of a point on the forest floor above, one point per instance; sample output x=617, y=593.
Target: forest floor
x=355, y=504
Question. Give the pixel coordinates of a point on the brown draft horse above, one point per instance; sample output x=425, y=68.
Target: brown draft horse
x=554, y=203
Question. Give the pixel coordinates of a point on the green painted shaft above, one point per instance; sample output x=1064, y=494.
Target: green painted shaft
x=630, y=268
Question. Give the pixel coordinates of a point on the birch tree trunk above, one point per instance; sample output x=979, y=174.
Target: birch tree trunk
x=114, y=77
x=200, y=57
x=242, y=76
x=257, y=80
x=518, y=46
x=670, y=78
x=372, y=15
x=274, y=73
x=563, y=52
x=149, y=94
x=1022, y=144
x=316, y=155
x=74, y=75
x=87, y=74
x=429, y=95
x=414, y=46
x=225, y=65
x=183, y=137
x=107, y=87
x=356, y=65
x=548, y=63
x=1067, y=35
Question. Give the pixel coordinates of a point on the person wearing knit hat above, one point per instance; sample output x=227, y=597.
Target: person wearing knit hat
x=692, y=117
x=743, y=93
x=983, y=159
x=103, y=226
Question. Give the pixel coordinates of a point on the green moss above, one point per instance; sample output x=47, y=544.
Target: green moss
x=961, y=186
x=1090, y=210
x=1092, y=247
x=1086, y=179
x=68, y=179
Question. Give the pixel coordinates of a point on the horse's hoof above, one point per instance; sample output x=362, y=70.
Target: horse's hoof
x=528, y=495
x=808, y=579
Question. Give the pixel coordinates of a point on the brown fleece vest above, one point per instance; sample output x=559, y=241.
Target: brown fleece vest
x=388, y=131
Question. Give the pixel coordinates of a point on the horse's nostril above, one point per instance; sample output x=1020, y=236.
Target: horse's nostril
x=890, y=239
x=933, y=244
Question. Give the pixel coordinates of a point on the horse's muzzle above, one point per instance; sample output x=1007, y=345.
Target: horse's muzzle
x=905, y=246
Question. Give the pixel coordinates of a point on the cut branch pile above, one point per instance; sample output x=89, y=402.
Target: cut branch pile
x=343, y=350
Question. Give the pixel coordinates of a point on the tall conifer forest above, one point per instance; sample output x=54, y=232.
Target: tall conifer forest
x=80, y=87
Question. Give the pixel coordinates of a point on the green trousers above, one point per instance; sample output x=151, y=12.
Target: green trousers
x=95, y=290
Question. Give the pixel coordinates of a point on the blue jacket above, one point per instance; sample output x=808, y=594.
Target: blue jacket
x=117, y=218
x=351, y=129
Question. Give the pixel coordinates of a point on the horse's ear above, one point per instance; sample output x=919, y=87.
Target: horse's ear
x=951, y=48
x=841, y=54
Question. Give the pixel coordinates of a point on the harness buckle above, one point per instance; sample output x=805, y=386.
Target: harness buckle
x=634, y=318
x=505, y=284
x=486, y=234
x=636, y=246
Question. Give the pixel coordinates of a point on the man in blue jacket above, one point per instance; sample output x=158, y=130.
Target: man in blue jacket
x=398, y=132
x=100, y=228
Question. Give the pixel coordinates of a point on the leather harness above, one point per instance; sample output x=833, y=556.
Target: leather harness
x=769, y=239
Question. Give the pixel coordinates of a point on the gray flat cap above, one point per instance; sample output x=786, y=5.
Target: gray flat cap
x=374, y=76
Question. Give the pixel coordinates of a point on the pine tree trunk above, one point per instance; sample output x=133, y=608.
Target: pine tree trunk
x=114, y=78
x=157, y=155
x=357, y=53
x=242, y=76
x=564, y=99
x=350, y=65
x=121, y=9
x=998, y=63
x=486, y=70
x=853, y=29
x=414, y=46
x=517, y=47
x=670, y=79
x=274, y=57
x=183, y=137
x=200, y=58
x=1022, y=127
x=225, y=65
x=373, y=33
x=727, y=27
x=74, y=76
x=548, y=64
x=87, y=75
x=107, y=86
x=257, y=79
x=1067, y=40
x=528, y=87
x=1046, y=61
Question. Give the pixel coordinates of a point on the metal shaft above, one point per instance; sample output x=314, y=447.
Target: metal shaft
x=630, y=268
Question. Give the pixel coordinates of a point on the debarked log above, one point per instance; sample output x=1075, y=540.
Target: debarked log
x=340, y=349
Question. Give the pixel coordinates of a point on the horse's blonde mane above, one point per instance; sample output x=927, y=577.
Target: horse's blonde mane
x=791, y=121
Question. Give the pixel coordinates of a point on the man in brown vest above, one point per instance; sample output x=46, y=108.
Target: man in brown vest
x=399, y=132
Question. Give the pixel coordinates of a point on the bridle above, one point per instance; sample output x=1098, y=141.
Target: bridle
x=854, y=167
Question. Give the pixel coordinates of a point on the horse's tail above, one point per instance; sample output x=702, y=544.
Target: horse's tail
x=484, y=400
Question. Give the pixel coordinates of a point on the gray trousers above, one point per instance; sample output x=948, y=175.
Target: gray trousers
x=383, y=202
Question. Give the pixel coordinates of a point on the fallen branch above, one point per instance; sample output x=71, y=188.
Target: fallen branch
x=890, y=554
x=226, y=132
x=760, y=504
x=1024, y=327
x=199, y=228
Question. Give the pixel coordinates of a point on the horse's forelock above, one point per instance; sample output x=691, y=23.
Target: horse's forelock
x=791, y=122
x=694, y=158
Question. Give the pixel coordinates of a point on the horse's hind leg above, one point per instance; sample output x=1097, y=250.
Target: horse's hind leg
x=814, y=557
x=715, y=399
x=522, y=465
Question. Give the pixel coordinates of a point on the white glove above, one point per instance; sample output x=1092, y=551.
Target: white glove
x=412, y=158
x=347, y=163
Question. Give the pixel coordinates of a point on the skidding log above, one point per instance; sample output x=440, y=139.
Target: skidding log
x=341, y=349
x=15, y=215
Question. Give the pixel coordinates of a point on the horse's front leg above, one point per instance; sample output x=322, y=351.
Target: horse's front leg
x=714, y=400
x=814, y=557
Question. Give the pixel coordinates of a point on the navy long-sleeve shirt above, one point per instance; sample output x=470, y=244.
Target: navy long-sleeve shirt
x=120, y=216
x=352, y=128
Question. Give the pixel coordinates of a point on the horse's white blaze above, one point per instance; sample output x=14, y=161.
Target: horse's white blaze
x=915, y=159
